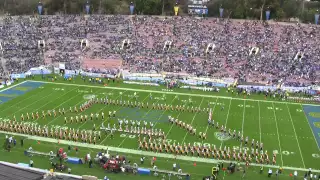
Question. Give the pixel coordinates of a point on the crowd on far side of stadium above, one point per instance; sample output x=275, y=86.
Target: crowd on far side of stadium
x=274, y=62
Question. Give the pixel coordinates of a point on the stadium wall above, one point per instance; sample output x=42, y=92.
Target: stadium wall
x=164, y=77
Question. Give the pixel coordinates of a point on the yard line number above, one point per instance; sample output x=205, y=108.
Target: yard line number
x=247, y=106
x=216, y=103
x=276, y=108
x=58, y=89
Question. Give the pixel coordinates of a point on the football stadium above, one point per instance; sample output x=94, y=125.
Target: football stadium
x=191, y=94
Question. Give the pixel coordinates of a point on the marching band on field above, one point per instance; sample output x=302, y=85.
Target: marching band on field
x=141, y=129
x=135, y=127
x=86, y=136
x=161, y=145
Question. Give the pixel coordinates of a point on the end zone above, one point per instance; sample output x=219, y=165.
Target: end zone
x=313, y=115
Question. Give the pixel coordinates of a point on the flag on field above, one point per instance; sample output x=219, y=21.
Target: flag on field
x=210, y=114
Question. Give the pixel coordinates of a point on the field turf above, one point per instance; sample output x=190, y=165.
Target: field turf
x=282, y=127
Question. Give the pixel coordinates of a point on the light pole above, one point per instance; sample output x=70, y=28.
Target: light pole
x=162, y=8
x=316, y=16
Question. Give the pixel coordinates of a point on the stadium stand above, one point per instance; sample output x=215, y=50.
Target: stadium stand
x=251, y=51
x=9, y=172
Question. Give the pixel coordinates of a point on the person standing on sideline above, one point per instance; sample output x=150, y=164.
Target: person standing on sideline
x=295, y=175
x=174, y=166
x=31, y=163
x=244, y=173
x=270, y=173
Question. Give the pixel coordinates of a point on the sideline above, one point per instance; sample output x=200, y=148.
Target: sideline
x=166, y=92
x=146, y=153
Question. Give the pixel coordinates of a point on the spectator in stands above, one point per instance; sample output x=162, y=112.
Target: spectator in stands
x=287, y=53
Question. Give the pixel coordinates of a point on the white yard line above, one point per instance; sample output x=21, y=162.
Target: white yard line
x=29, y=105
x=208, y=118
x=243, y=114
x=306, y=118
x=105, y=138
x=142, y=118
x=64, y=103
x=15, y=104
x=54, y=100
x=184, y=138
x=167, y=92
x=162, y=114
x=212, y=113
x=103, y=107
x=259, y=121
x=116, y=109
x=41, y=99
x=294, y=129
x=227, y=119
x=275, y=118
x=172, y=125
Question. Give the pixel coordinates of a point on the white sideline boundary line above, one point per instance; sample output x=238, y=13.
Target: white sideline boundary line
x=10, y=87
x=275, y=119
x=295, y=133
x=166, y=92
x=148, y=153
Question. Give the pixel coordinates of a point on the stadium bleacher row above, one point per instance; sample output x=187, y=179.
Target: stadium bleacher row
x=251, y=51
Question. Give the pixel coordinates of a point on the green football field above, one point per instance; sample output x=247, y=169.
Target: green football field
x=283, y=127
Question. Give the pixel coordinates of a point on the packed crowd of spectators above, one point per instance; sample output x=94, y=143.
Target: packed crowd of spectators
x=274, y=62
